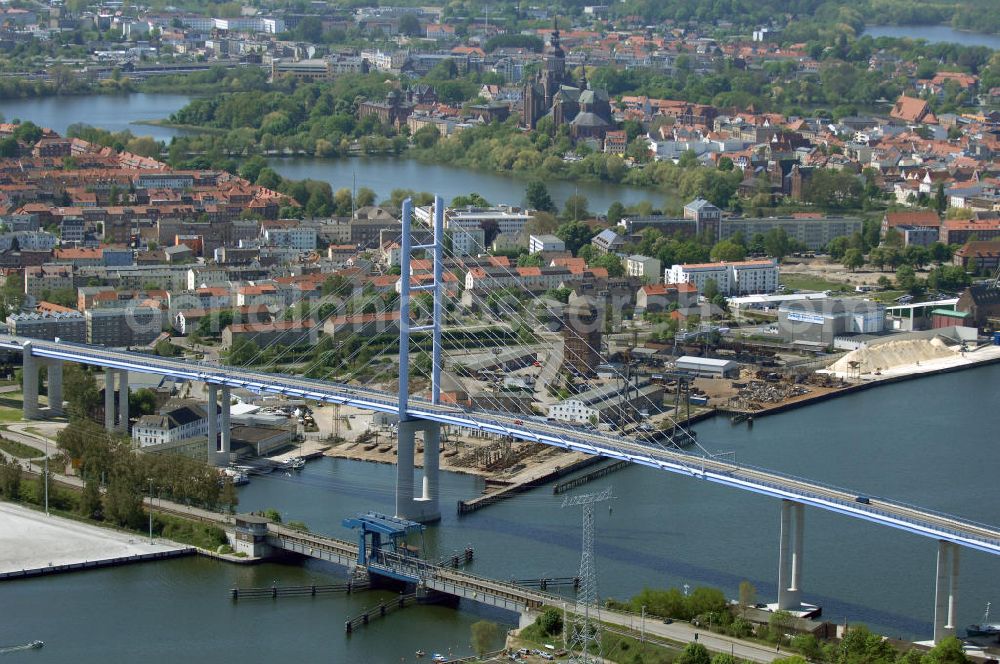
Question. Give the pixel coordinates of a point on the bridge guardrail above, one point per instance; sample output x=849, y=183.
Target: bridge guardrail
x=966, y=530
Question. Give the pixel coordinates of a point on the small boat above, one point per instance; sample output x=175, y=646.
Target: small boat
x=237, y=476
x=420, y=653
x=438, y=657
x=32, y=645
x=984, y=628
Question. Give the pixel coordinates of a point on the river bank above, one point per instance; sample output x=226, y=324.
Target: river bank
x=983, y=356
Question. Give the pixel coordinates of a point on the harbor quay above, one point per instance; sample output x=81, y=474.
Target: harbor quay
x=33, y=543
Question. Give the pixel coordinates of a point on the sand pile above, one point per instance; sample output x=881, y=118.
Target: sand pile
x=893, y=354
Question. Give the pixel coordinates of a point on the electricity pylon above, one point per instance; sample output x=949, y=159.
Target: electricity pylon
x=586, y=642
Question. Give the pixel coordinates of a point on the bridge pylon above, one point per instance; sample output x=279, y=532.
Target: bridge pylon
x=424, y=507
x=946, y=591
x=790, y=556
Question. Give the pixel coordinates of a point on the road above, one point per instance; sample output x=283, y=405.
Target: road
x=924, y=522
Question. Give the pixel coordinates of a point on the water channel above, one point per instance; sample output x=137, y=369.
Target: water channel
x=929, y=441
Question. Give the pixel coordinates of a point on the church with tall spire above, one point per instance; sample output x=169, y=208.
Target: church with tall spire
x=552, y=93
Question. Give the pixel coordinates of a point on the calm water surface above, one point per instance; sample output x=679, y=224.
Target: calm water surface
x=935, y=34
x=930, y=441
x=382, y=174
x=111, y=112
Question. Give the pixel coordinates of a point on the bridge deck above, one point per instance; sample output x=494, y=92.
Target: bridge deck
x=886, y=512
x=435, y=577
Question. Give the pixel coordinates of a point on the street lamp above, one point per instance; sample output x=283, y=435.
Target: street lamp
x=150, y=510
x=46, y=476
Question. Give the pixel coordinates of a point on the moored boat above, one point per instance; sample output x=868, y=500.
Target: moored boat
x=985, y=627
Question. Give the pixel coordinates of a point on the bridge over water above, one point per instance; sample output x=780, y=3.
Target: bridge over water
x=426, y=416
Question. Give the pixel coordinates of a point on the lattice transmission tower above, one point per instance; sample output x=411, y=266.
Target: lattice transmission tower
x=586, y=635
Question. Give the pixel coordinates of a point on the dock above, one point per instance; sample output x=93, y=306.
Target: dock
x=380, y=611
x=274, y=592
x=563, y=487
x=527, y=481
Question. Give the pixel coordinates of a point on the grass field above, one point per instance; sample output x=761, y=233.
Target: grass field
x=19, y=450
x=811, y=283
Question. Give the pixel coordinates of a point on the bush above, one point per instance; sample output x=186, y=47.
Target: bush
x=550, y=622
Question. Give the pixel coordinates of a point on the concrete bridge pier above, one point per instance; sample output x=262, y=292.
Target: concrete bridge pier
x=790, y=556
x=946, y=591
x=109, y=399
x=55, y=380
x=123, y=402
x=424, y=509
x=222, y=450
x=29, y=382
x=213, y=423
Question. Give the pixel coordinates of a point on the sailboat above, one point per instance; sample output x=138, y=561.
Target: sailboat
x=984, y=628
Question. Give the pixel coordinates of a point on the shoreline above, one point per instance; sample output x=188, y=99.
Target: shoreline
x=807, y=400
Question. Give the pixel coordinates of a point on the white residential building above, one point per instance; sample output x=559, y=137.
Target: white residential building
x=643, y=267
x=737, y=278
x=180, y=419
x=300, y=238
x=539, y=243
x=464, y=224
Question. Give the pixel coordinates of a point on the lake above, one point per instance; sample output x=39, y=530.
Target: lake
x=935, y=34
x=382, y=174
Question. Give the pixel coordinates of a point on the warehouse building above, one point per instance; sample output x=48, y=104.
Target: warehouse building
x=609, y=403
x=821, y=321
x=708, y=367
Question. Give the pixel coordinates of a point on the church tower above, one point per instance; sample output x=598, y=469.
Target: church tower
x=553, y=66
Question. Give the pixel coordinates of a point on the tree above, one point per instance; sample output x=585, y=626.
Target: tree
x=748, y=595
x=727, y=250
x=711, y=290
x=694, y=653
x=80, y=390
x=409, y=25
x=893, y=238
x=537, y=195
x=940, y=199
x=90, y=500
x=574, y=234
x=426, y=137
x=142, y=401
x=611, y=263
x=853, y=259
x=575, y=208
x=364, y=197
x=10, y=478
x=906, y=278
x=779, y=623
x=776, y=243
x=860, y=646
x=836, y=247
x=949, y=651
x=615, y=213
x=529, y=260
x=484, y=634
x=473, y=200
x=309, y=29
x=550, y=621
